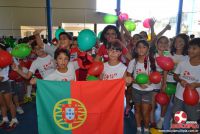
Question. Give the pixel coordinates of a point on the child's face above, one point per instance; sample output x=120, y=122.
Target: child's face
x=194, y=51
x=62, y=60
x=114, y=54
x=38, y=51
x=135, y=39
x=179, y=43
x=110, y=35
x=142, y=50
x=163, y=44
x=64, y=41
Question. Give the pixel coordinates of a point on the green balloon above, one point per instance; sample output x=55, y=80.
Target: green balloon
x=91, y=78
x=170, y=89
x=130, y=25
x=86, y=39
x=110, y=19
x=142, y=78
x=58, y=31
x=21, y=51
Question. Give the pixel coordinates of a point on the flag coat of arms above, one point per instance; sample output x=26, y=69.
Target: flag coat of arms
x=80, y=107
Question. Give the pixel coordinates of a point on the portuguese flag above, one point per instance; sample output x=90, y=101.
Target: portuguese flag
x=80, y=107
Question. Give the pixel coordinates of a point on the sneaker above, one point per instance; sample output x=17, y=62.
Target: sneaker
x=138, y=132
x=27, y=99
x=33, y=94
x=3, y=124
x=159, y=124
x=12, y=125
x=20, y=110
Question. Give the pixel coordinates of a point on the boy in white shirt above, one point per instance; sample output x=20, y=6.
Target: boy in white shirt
x=187, y=73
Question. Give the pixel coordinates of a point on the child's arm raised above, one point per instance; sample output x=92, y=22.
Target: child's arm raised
x=39, y=41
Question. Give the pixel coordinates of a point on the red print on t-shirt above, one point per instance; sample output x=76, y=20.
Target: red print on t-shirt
x=109, y=76
x=186, y=73
x=46, y=66
x=138, y=71
x=65, y=79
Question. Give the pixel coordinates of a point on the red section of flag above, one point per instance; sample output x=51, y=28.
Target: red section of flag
x=104, y=101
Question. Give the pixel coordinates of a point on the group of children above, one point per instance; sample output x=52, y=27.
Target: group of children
x=124, y=56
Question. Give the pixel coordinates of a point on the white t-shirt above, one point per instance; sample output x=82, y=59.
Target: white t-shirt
x=113, y=72
x=137, y=69
x=58, y=76
x=50, y=49
x=177, y=59
x=4, y=73
x=188, y=73
x=44, y=65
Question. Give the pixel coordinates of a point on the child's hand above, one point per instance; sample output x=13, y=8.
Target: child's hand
x=33, y=81
x=163, y=87
x=152, y=22
x=143, y=86
x=129, y=79
x=183, y=83
x=37, y=32
x=15, y=67
x=168, y=27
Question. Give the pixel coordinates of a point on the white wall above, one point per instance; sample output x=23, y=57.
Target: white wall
x=16, y=13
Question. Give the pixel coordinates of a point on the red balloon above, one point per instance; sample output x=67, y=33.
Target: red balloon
x=190, y=96
x=166, y=63
x=96, y=68
x=13, y=75
x=155, y=77
x=162, y=98
x=5, y=58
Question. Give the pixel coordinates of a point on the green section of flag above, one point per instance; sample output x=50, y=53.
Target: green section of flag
x=48, y=94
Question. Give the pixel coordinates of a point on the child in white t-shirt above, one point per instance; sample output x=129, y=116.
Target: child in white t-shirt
x=6, y=102
x=143, y=62
x=179, y=53
x=65, y=70
x=187, y=73
x=44, y=64
x=162, y=44
x=113, y=69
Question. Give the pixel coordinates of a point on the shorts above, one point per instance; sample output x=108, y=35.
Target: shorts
x=193, y=112
x=5, y=87
x=17, y=87
x=139, y=96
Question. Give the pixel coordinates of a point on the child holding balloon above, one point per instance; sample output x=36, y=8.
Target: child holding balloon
x=187, y=74
x=178, y=53
x=162, y=45
x=44, y=64
x=6, y=99
x=143, y=63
